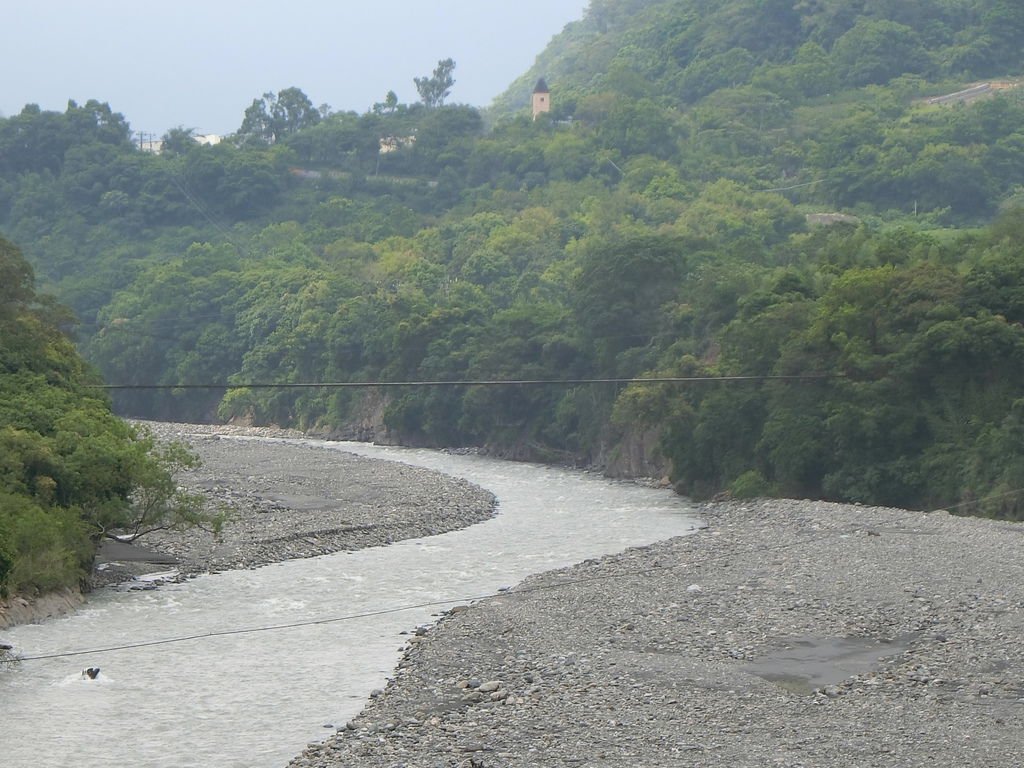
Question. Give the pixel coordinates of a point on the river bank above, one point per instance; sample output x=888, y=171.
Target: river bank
x=285, y=501
x=787, y=633
x=247, y=667
x=17, y=610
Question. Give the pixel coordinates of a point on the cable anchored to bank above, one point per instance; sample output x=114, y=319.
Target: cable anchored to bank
x=249, y=630
x=481, y=382
x=519, y=591
x=430, y=604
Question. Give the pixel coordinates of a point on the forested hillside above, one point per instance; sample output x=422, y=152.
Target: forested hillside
x=70, y=471
x=678, y=52
x=662, y=220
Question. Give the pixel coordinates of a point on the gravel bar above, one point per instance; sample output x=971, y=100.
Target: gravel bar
x=294, y=500
x=787, y=633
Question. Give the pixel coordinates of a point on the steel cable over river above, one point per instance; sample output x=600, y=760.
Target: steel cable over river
x=255, y=699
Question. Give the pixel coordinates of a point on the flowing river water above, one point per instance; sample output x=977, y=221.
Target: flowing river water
x=256, y=699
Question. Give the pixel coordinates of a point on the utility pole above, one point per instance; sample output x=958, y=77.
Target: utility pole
x=142, y=140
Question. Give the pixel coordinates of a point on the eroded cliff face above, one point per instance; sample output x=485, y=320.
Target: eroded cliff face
x=635, y=454
x=24, y=610
x=365, y=423
x=624, y=454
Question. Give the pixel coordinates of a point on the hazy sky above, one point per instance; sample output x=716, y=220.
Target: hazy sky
x=200, y=64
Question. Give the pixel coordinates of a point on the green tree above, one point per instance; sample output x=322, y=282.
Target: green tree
x=435, y=89
x=877, y=51
x=1003, y=22
x=178, y=141
x=388, y=106
x=620, y=292
x=70, y=471
x=277, y=115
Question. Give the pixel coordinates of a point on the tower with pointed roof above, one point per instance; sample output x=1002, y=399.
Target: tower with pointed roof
x=541, y=98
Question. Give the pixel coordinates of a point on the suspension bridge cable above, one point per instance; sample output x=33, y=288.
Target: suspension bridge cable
x=480, y=382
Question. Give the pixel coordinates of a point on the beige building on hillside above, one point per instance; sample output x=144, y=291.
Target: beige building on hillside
x=541, y=98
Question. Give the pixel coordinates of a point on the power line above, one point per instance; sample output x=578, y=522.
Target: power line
x=481, y=382
x=990, y=497
x=795, y=186
x=203, y=209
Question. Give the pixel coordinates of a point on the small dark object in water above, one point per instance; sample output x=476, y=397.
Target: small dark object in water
x=92, y=672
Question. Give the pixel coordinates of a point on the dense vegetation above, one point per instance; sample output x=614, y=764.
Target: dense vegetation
x=70, y=471
x=655, y=223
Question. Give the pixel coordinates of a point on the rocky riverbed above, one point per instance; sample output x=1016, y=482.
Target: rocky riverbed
x=288, y=501
x=787, y=633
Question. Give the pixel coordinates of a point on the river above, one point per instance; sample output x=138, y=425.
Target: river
x=256, y=699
